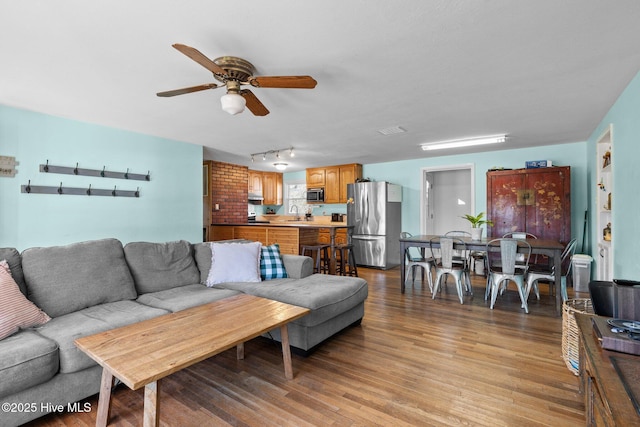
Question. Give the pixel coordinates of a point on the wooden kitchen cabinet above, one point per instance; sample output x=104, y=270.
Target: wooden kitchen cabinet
x=537, y=201
x=272, y=188
x=287, y=237
x=324, y=236
x=315, y=177
x=255, y=182
x=334, y=180
x=348, y=175
x=332, y=184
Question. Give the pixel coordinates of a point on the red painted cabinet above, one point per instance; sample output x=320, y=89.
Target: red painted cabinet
x=537, y=201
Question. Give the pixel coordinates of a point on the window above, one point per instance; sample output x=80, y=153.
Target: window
x=296, y=203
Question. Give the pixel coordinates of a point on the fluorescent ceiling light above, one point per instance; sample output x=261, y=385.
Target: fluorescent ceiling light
x=280, y=166
x=468, y=142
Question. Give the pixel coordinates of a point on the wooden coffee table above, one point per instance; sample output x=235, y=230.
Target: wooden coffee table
x=142, y=353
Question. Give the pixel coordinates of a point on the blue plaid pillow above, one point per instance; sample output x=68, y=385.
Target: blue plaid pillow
x=271, y=264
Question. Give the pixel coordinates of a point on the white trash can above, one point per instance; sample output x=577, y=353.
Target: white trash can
x=581, y=272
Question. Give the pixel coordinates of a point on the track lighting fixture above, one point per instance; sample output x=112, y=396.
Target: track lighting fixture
x=280, y=165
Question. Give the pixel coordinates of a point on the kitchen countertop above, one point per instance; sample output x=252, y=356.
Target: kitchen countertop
x=296, y=224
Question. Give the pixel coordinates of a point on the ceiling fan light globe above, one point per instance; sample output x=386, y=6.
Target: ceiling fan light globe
x=233, y=103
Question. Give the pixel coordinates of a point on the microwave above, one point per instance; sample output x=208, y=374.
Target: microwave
x=315, y=195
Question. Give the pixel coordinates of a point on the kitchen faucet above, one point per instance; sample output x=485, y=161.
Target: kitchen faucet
x=297, y=217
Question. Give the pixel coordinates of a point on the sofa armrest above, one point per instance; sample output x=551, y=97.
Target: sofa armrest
x=298, y=266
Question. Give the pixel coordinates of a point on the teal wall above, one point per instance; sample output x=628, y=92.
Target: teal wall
x=169, y=208
x=408, y=174
x=624, y=115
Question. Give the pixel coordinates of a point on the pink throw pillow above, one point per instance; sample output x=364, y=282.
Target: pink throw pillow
x=16, y=311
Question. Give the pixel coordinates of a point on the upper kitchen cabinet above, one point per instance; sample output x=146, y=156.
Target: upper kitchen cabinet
x=269, y=184
x=537, y=201
x=255, y=182
x=348, y=175
x=334, y=180
x=315, y=177
x=272, y=188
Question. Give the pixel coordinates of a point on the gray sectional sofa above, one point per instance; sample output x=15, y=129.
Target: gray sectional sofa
x=93, y=286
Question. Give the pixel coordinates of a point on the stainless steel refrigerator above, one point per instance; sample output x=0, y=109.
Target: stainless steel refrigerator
x=374, y=210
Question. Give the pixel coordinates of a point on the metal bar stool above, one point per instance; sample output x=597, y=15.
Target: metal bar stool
x=320, y=253
x=346, y=264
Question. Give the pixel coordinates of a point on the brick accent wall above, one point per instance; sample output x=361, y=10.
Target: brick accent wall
x=228, y=184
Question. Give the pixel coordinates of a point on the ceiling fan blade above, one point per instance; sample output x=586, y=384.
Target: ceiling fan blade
x=199, y=57
x=253, y=103
x=291, y=82
x=187, y=90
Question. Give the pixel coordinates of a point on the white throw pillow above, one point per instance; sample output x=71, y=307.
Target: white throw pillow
x=234, y=262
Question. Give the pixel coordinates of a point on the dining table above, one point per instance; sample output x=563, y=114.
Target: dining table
x=551, y=248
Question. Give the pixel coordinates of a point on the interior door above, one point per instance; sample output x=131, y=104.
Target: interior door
x=447, y=197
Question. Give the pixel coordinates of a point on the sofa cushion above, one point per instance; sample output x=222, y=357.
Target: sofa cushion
x=16, y=311
x=326, y=295
x=202, y=255
x=64, y=279
x=234, y=262
x=15, y=264
x=26, y=359
x=159, y=266
x=184, y=297
x=65, y=329
x=271, y=264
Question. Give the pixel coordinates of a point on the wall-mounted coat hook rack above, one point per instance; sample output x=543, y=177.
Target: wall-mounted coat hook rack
x=74, y=191
x=104, y=173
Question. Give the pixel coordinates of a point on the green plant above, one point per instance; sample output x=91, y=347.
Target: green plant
x=477, y=221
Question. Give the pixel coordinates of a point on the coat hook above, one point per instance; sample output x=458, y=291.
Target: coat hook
x=126, y=174
x=137, y=193
x=148, y=178
x=89, y=190
x=113, y=193
x=60, y=189
x=102, y=173
x=75, y=171
x=28, y=187
x=46, y=167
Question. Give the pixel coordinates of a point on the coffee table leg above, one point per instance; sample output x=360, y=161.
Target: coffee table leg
x=240, y=351
x=104, y=401
x=151, y=405
x=286, y=352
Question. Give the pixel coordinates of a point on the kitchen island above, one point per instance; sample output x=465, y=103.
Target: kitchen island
x=288, y=234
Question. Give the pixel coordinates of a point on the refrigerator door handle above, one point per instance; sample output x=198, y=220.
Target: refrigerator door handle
x=366, y=237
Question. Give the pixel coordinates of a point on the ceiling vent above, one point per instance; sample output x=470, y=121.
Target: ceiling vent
x=391, y=130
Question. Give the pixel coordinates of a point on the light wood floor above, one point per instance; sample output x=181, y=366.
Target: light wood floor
x=413, y=361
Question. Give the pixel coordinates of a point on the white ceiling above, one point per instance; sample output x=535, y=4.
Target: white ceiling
x=542, y=71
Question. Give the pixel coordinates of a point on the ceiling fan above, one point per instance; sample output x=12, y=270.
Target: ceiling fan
x=234, y=72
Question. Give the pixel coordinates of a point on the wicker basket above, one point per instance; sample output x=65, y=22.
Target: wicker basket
x=570, y=335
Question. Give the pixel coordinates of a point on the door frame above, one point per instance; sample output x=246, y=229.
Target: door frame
x=423, y=175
